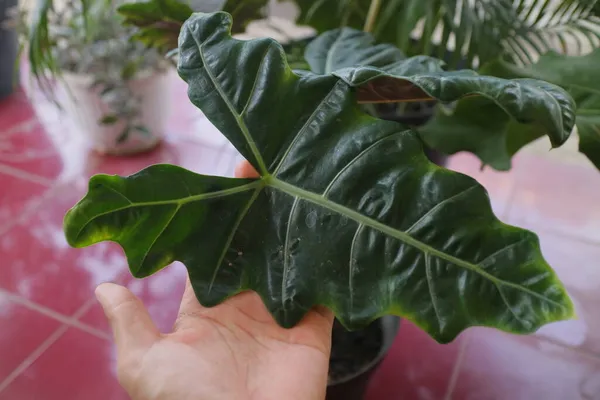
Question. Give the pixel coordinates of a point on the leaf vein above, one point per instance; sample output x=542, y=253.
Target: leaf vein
x=262, y=61
x=355, y=159
x=332, y=49
x=118, y=193
x=306, y=124
x=175, y=211
x=510, y=309
x=286, y=254
x=234, y=229
x=351, y=266
x=434, y=299
x=199, y=197
x=438, y=206
x=400, y=235
x=240, y=122
x=483, y=262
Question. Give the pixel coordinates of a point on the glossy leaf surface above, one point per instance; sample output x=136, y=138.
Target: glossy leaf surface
x=348, y=212
x=347, y=47
x=495, y=133
x=580, y=76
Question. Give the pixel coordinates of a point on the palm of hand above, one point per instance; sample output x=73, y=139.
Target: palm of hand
x=232, y=351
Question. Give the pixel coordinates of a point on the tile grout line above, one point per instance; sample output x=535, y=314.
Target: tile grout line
x=29, y=209
x=17, y=173
x=24, y=126
x=50, y=340
x=577, y=350
x=71, y=321
x=45, y=345
x=456, y=370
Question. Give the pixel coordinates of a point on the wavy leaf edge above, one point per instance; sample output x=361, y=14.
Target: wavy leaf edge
x=270, y=180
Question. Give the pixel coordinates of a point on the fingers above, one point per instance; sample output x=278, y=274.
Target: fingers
x=245, y=170
x=132, y=326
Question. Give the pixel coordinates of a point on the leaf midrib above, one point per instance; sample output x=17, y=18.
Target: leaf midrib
x=400, y=235
x=176, y=202
x=238, y=118
x=322, y=201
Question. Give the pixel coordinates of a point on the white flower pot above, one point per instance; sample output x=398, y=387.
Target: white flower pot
x=87, y=108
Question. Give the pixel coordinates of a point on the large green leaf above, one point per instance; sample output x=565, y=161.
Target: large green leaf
x=495, y=133
x=348, y=211
x=346, y=47
x=580, y=76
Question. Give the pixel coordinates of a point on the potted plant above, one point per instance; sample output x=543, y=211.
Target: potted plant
x=115, y=87
x=8, y=46
x=499, y=38
x=347, y=211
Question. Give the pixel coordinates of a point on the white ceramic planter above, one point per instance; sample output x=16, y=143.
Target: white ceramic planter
x=87, y=108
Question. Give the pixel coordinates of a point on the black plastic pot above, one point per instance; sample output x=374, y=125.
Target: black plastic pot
x=8, y=50
x=354, y=386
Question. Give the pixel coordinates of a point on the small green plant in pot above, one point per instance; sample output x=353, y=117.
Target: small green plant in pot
x=116, y=89
x=347, y=211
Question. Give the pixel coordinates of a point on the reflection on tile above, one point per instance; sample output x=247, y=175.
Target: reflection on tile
x=38, y=264
x=77, y=366
x=16, y=196
x=195, y=127
x=577, y=267
x=26, y=147
x=417, y=367
x=80, y=165
x=498, y=366
x=21, y=332
x=498, y=184
x=16, y=112
x=558, y=197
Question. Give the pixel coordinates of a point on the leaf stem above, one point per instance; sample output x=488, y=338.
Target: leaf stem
x=372, y=15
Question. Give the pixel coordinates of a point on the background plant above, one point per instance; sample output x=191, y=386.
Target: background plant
x=88, y=38
x=475, y=30
x=505, y=38
x=499, y=37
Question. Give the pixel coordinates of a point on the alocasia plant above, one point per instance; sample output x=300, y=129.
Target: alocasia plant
x=579, y=76
x=494, y=134
x=348, y=212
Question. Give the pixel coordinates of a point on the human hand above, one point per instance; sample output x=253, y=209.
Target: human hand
x=231, y=351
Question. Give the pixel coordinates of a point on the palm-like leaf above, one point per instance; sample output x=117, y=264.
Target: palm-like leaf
x=474, y=30
x=550, y=25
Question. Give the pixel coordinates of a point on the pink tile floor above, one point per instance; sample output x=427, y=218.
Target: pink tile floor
x=55, y=343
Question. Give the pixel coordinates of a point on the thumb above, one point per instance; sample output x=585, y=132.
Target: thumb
x=132, y=326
